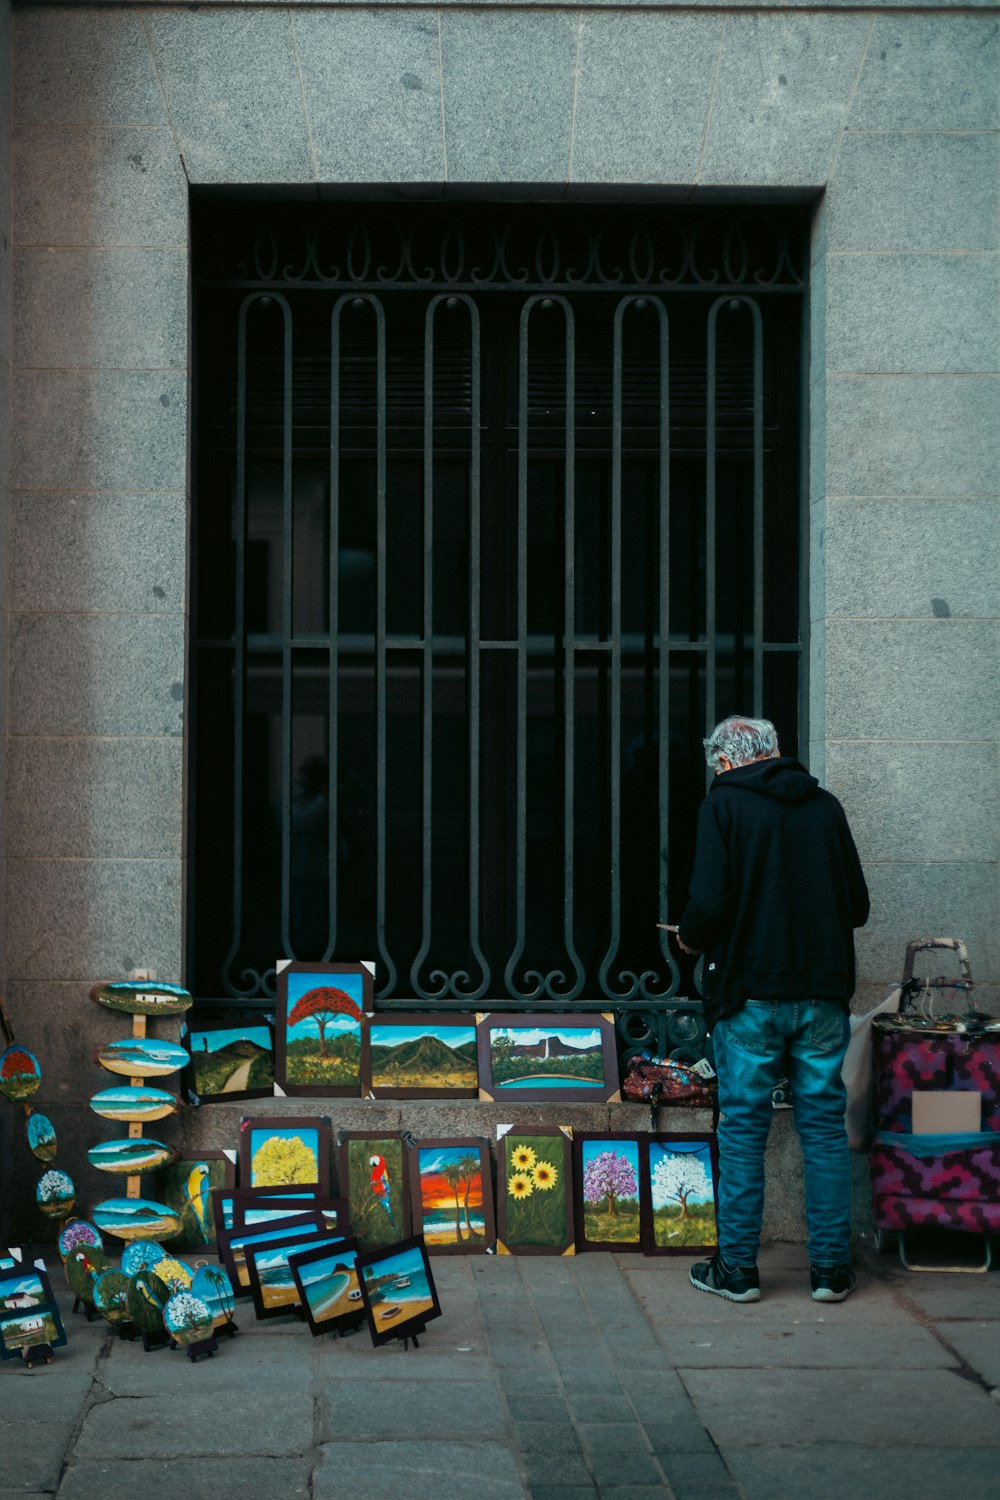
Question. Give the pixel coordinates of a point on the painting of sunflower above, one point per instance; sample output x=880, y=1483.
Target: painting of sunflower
x=535, y=1207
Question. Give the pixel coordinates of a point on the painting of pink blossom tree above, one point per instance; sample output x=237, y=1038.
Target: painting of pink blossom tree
x=609, y=1174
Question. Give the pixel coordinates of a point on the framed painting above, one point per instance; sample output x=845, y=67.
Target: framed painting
x=374, y=1180
x=535, y=1191
x=272, y=1284
x=186, y=1186
x=29, y=1313
x=533, y=1059
x=251, y=1209
x=421, y=1056
x=607, y=1174
x=234, y=1243
x=398, y=1290
x=451, y=1196
x=327, y=1281
x=678, y=1186
x=224, y=1199
x=321, y=1043
x=228, y=1059
x=292, y=1151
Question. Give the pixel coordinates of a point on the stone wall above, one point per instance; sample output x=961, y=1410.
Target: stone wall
x=890, y=121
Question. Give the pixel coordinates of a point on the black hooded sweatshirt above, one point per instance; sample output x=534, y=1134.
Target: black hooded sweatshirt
x=776, y=890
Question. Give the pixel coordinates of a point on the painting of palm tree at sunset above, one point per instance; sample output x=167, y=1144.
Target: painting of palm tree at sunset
x=453, y=1196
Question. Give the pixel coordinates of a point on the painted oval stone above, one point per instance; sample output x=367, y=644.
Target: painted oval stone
x=83, y=1266
x=128, y=1156
x=142, y=997
x=141, y=1057
x=187, y=1318
x=20, y=1073
x=55, y=1194
x=135, y=1103
x=78, y=1232
x=135, y=1218
x=146, y=1298
x=110, y=1292
x=142, y=1255
x=41, y=1135
x=177, y=1274
x=213, y=1286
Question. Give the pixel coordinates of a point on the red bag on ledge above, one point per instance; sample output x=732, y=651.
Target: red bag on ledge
x=667, y=1083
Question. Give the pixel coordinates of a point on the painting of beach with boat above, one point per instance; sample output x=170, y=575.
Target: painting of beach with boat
x=327, y=1282
x=398, y=1290
x=554, y=1057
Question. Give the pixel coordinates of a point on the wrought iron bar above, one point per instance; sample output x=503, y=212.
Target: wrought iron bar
x=287, y=668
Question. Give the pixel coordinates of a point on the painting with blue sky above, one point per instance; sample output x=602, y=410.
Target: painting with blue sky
x=552, y=1058
x=413, y=1056
x=322, y=1028
x=229, y=1059
x=398, y=1290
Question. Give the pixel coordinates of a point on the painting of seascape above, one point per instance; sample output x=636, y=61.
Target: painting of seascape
x=134, y=1103
x=327, y=1282
x=271, y=1280
x=231, y=1061
x=322, y=1031
x=553, y=1058
x=452, y=1196
x=413, y=1056
x=129, y=1155
x=141, y=1057
x=398, y=1291
x=235, y=1244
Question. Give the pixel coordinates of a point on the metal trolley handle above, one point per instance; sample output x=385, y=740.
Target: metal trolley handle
x=912, y=987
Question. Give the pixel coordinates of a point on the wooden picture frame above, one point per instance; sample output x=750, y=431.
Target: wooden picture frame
x=223, y=1201
x=328, y=1301
x=547, y=1058
x=680, y=1209
x=251, y=1209
x=321, y=1029
x=313, y=1132
x=233, y=1244
x=548, y=1229
x=386, y=1273
x=247, y=1045
x=435, y=1056
x=186, y=1186
x=377, y=1193
x=272, y=1285
x=607, y=1201
x=455, y=1172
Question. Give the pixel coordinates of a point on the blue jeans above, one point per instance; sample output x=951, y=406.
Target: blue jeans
x=805, y=1041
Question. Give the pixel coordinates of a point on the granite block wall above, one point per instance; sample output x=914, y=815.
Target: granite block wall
x=888, y=122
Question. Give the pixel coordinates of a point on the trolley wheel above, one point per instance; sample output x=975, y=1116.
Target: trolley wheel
x=886, y=1241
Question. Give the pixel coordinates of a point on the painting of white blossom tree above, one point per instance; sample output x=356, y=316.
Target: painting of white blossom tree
x=682, y=1187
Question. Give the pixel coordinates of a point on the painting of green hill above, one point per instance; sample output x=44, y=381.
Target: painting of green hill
x=423, y=1062
x=232, y=1069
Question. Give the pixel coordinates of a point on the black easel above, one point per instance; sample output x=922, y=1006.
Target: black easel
x=37, y=1354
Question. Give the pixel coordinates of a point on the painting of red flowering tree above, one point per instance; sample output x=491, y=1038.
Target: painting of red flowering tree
x=322, y=1035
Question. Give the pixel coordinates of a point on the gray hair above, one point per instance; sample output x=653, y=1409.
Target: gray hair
x=741, y=741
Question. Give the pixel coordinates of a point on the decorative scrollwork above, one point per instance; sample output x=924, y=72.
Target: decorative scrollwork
x=369, y=247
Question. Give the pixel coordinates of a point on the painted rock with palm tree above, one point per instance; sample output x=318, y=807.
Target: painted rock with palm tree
x=212, y=1285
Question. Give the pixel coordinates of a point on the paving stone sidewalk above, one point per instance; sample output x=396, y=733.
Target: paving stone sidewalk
x=599, y=1377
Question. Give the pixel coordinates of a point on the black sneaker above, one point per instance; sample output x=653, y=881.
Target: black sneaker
x=738, y=1283
x=832, y=1283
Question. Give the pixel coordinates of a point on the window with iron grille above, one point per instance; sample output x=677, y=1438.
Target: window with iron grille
x=497, y=511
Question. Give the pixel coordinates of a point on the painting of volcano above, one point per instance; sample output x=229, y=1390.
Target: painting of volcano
x=229, y=1059
x=413, y=1056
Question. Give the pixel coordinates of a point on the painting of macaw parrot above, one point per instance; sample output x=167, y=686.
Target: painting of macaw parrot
x=373, y=1172
x=186, y=1186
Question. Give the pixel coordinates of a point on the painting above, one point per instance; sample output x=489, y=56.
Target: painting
x=322, y=1032
x=135, y=1219
x=28, y=1311
x=272, y=1284
x=132, y=1103
x=534, y=1191
x=416, y=1056
x=229, y=1059
x=558, y=1058
x=251, y=1209
x=213, y=1287
x=287, y=1152
x=41, y=1135
x=679, y=1174
x=234, y=1243
x=374, y=1179
x=186, y=1186
x=398, y=1290
x=141, y=1057
x=327, y=1282
x=20, y=1074
x=607, y=1203
x=451, y=1194
x=227, y=1206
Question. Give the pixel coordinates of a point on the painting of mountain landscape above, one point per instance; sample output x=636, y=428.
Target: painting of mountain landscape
x=236, y=1061
x=412, y=1056
x=553, y=1057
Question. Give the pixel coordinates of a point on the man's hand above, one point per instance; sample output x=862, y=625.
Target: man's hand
x=684, y=947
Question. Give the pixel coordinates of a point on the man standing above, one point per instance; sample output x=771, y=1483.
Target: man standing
x=776, y=893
